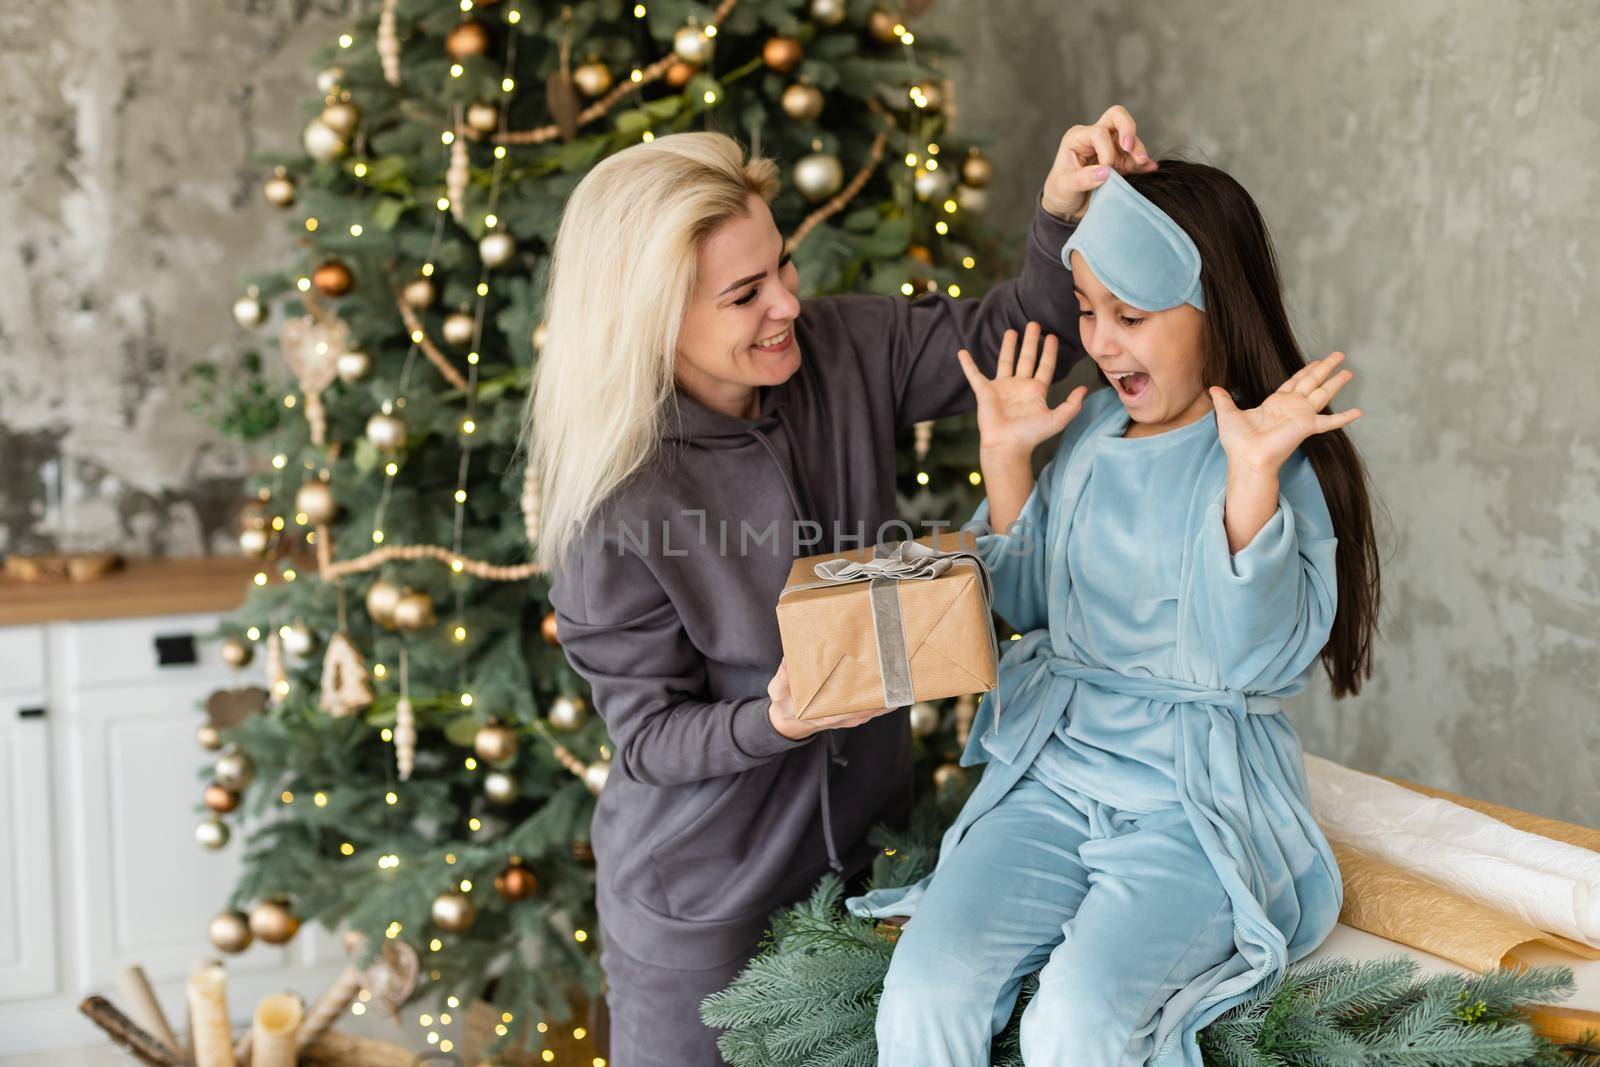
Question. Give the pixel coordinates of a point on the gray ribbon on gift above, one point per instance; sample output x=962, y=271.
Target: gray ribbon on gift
x=894, y=562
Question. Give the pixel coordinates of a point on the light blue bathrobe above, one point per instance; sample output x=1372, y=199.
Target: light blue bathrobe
x=1158, y=682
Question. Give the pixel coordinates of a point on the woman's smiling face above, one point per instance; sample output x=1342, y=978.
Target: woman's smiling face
x=746, y=293
x=1154, y=359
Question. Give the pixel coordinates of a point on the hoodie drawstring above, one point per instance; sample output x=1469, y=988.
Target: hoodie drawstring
x=830, y=752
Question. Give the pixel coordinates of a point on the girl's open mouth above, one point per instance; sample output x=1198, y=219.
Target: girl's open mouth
x=1130, y=385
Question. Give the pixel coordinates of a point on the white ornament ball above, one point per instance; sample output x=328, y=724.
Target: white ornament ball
x=818, y=175
x=500, y=787
x=353, y=366
x=248, y=310
x=458, y=328
x=386, y=432
x=420, y=293
x=212, y=834
x=485, y=118
x=973, y=200
x=924, y=718
x=595, y=775
x=230, y=932
x=382, y=598
x=315, y=500
x=567, y=713
x=497, y=248
x=253, y=541
x=323, y=142
x=234, y=770
x=298, y=640
x=827, y=12
x=931, y=184
x=279, y=189
x=328, y=80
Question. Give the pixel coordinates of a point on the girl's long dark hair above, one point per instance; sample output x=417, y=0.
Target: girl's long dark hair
x=1250, y=351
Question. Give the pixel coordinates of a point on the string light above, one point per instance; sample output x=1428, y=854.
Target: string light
x=280, y=461
x=304, y=285
x=311, y=224
x=320, y=799
x=474, y=824
x=447, y=136
x=941, y=227
x=710, y=31
x=391, y=799
x=260, y=578
x=506, y=85
x=452, y=1001
x=975, y=478
x=648, y=136
x=290, y=574
x=906, y=288
x=466, y=887
x=286, y=796
x=387, y=734
x=346, y=40
x=359, y=170
x=254, y=633
x=466, y=700
x=950, y=206
x=394, y=930
x=355, y=229
x=379, y=671
x=954, y=290
x=456, y=70
x=513, y=16
x=358, y=1008
x=427, y=270
x=347, y=849
x=490, y=220
x=922, y=477
x=968, y=262
x=377, y=537
x=471, y=763
x=443, y=204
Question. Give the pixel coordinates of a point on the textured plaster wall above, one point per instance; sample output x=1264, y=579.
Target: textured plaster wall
x=128, y=212
x=1429, y=169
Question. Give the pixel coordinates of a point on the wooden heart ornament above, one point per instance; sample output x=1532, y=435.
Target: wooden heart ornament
x=227, y=708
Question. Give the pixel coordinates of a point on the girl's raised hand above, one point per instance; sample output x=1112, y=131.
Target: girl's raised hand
x=1085, y=158
x=1260, y=439
x=1013, y=415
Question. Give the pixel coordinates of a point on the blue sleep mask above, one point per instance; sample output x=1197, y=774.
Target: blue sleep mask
x=1136, y=250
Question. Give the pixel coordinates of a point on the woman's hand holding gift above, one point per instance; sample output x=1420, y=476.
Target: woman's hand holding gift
x=1258, y=441
x=1014, y=417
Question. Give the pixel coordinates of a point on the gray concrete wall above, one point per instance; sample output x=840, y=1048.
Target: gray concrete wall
x=128, y=213
x=1428, y=168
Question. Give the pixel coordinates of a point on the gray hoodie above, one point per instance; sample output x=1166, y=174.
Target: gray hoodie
x=711, y=819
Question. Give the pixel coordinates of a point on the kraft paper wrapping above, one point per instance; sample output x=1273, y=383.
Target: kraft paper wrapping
x=1394, y=901
x=208, y=1013
x=831, y=648
x=277, y=1025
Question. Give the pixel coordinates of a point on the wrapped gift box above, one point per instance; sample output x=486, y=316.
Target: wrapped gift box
x=887, y=626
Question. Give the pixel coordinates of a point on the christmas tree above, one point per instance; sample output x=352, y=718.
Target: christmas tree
x=421, y=767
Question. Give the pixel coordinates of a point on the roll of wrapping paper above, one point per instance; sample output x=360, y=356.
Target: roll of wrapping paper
x=275, y=1031
x=143, y=1007
x=208, y=1015
x=1382, y=899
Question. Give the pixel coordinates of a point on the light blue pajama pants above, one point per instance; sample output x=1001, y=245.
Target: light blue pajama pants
x=1121, y=909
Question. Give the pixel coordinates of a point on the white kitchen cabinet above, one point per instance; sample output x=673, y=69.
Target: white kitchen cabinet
x=99, y=784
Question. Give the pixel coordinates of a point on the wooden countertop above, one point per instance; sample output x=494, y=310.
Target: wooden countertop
x=141, y=587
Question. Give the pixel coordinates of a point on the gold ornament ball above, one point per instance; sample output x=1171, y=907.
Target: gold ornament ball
x=413, y=612
x=328, y=80
x=568, y=713
x=547, y=630
x=496, y=249
x=457, y=329
x=782, y=54
x=976, y=170
x=924, y=719
x=213, y=834
x=352, y=366
x=254, y=541
x=248, y=311
x=931, y=184
x=236, y=652
x=595, y=775
x=482, y=117
x=880, y=26
x=386, y=432
x=341, y=117
x=230, y=932
x=802, y=102
x=948, y=776
x=678, y=73
x=495, y=742
x=382, y=598
x=279, y=189
x=315, y=500
x=921, y=253
x=332, y=278
x=273, y=922
x=470, y=38
x=592, y=79
x=973, y=200
x=322, y=142
x=828, y=12
x=818, y=175
x=208, y=737
x=932, y=94
x=298, y=640
x=220, y=799
x=453, y=912
x=420, y=293
x=501, y=787
x=234, y=770
x=692, y=45
x=516, y=883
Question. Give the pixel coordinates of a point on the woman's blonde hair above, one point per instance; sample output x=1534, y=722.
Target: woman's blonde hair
x=622, y=278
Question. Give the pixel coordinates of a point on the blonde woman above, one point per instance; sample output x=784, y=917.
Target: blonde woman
x=694, y=427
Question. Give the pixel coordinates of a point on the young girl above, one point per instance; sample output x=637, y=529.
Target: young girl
x=1200, y=539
